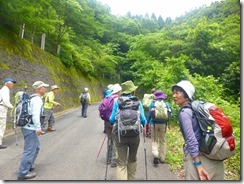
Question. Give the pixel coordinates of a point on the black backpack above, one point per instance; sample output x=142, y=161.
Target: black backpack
x=83, y=97
x=128, y=116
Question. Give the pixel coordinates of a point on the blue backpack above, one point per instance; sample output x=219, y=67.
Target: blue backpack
x=105, y=108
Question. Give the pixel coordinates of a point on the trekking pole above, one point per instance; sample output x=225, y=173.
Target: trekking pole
x=109, y=147
x=145, y=152
x=101, y=146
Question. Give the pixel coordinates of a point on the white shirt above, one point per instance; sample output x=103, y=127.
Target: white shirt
x=5, y=97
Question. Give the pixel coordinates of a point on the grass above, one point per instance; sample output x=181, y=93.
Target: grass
x=174, y=141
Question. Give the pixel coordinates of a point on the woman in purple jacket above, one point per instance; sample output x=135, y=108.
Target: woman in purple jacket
x=196, y=165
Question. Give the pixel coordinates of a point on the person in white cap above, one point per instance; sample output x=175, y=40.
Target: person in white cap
x=197, y=166
x=5, y=104
x=85, y=100
x=112, y=156
x=48, y=109
x=31, y=132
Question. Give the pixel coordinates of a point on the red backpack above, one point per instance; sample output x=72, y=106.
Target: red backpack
x=217, y=141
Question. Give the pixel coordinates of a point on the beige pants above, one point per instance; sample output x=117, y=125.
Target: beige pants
x=3, y=119
x=158, y=141
x=214, y=168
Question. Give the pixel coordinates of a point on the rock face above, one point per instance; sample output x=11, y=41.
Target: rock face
x=39, y=65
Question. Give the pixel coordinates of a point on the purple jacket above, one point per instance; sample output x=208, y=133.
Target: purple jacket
x=190, y=130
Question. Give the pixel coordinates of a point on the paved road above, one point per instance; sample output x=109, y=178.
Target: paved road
x=70, y=153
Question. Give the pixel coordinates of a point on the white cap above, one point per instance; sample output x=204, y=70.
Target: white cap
x=86, y=89
x=187, y=87
x=54, y=87
x=116, y=88
x=39, y=84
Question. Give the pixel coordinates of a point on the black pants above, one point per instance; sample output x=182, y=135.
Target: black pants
x=84, y=107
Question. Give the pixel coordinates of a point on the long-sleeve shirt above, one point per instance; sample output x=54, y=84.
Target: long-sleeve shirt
x=49, y=100
x=5, y=97
x=112, y=117
x=36, y=110
x=190, y=130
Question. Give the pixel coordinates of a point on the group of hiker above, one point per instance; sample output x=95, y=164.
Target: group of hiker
x=125, y=117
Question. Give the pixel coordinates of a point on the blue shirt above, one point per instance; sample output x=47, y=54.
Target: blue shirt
x=112, y=117
x=36, y=110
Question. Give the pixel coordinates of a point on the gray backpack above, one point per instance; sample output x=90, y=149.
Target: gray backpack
x=128, y=117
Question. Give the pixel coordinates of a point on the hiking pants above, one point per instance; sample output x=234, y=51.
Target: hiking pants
x=84, y=107
x=110, y=149
x=126, y=160
x=214, y=168
x=158, y=141
x=31, y=149
x=3, y=120
x=49, y=118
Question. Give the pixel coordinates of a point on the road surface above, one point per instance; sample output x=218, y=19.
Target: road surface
x=70, y=153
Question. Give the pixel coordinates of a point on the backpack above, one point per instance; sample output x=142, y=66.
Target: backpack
x=146, y=101
x=160, y=111
x=217, y=141
x=105, y=108
x=128, y=116
x=83, y=97
x=21, y=115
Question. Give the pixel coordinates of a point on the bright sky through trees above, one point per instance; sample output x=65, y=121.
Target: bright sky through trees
x=165, y=8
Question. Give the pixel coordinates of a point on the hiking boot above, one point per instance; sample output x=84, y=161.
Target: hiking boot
x=2, y=146
x=156, y=160
x=51, y=129
x=27, y=176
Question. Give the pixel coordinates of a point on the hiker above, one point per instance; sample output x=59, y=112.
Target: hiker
x=5, y=104
x=196, y=165
x=49, y=105
x=31, y=132
x=148, y=132
x=85, y=100
x=127, y=141
x=158, y=126
x=106, y=93
x=116, y=89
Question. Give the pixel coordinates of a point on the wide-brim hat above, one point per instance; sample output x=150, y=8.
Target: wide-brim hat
x=54, y=87
x=128, y=87
x=187, y=87
x=116, y=88
x=159, y=95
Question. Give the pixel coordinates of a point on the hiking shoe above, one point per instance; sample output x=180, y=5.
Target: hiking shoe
x=43, y=132
x=51, y=129
x=156, y=160
x=2, y=146
x=27, y=176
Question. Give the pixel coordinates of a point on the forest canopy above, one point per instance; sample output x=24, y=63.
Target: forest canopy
x=85, y=35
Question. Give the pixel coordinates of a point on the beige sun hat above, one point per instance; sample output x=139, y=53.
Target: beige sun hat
x=128, y=87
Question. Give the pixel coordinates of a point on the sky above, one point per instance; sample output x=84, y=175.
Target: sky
x=165, y=8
